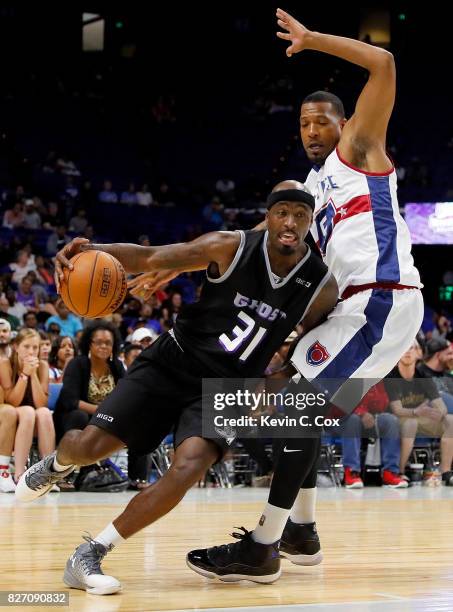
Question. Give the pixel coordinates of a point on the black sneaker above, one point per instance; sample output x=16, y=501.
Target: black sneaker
x=300, y=544
x=243, y=560
x=447, y=479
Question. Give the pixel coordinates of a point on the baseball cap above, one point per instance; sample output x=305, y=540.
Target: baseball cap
x=6, y=323
x=141, y=333
x=435, y=345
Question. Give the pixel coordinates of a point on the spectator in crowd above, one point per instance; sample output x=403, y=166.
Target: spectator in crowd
x=79, y=222
x=371, y=419
x=107, y=195
x=22, y=266
x=30, y=320
x=144, y=240
x=144, y=196
x=45, y=273
x=144, y=337
x=415, y=400
x=129, y=197
x=25, y=381
x=443, y=328
x=62, y=351
x=131, y=352
x=89, y=377
x=87, y=196
x=4, y=314
x=14, y=217
x=213, y=214
x=17, y=309
x=44, y=347
x=69, y=323
x=54, y=330
x=437, y=365
x=32, y=219
x=71, y=191
x=57, y=240
x=25, y=295
x=5, y=339
x=171, y=308
x=225, y=189
x=8, y=426
x=164, y=196
x=53, y=218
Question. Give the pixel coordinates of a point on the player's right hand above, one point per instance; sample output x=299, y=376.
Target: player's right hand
x=296, y=33
x=77, y=245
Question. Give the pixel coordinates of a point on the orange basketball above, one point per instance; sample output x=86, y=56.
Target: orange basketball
x=96, y=286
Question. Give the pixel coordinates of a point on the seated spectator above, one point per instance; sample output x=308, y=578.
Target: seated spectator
x=213, y=215
x=5, y=339
x=8, y=427
x=131, y=352
x=144, y=197
x=79, y=222
x=14, y=217
x=164, y=195
x=57, y=240
x=25, y=295
x=53, y=330
x=371, y=420
x=88, y=378
x=32, y=219
x=129, y=197
x=22, y=266
x=107, y=195
x=415, y=400
x=438, y=357
x=225, y=189
x=144, y=337
x=62, y=351
x=53, y=218
x=15, y=308
x=69, y=323
x=25, y=381
x=443, y=328
x=30, y=320
x=45, y=273
x=4, y=314
x=171, y=308
x=44, y=347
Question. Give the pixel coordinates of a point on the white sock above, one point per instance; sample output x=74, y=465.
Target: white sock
x=109, y=536
x=271, y=524
x=60, y=468
x=303, y=510
x=4, y=460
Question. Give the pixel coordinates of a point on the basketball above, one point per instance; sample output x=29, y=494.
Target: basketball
x=96, y=286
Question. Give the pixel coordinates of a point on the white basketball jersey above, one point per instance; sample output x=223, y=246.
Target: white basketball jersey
x=358, y=227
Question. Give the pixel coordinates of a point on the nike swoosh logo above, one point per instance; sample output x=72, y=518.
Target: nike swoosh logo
x=292, y=450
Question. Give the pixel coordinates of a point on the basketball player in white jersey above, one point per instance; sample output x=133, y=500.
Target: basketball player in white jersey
x=366, y=245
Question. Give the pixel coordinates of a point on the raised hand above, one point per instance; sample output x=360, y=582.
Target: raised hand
x=144, y=285
x=77, y=245
x=295, y=32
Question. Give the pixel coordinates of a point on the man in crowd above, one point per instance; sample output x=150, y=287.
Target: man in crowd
x=437, y=365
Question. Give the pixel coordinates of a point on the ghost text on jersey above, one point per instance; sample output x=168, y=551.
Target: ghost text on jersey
x=265, y=311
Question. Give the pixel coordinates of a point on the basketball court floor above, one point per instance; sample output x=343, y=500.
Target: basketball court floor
x=384, y=551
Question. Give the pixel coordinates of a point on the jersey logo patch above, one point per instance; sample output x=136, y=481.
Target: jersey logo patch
x=317, y=354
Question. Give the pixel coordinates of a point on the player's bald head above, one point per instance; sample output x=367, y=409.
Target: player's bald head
x=289, y=184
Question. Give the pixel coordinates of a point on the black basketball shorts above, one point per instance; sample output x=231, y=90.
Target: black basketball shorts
x=160, y=394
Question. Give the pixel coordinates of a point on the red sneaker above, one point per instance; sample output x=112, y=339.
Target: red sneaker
x=352, y=479
x=394, y=481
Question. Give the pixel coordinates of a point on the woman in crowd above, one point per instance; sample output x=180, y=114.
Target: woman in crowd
x=25, y=381
x=62, y=351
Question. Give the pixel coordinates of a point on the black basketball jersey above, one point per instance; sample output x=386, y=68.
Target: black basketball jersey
x=245, y=315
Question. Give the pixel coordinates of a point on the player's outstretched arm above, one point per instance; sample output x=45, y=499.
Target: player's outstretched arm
x=367, y=127
x=215, y=247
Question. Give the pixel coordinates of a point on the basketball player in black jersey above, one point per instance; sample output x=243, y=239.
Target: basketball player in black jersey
x=252, y=299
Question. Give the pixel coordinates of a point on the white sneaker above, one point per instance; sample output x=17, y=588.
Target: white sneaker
x=7, y=484
x=83, y=569
x=39, y=479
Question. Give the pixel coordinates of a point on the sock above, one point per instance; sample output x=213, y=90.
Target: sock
x=60, y=468
x=303, y=510
x=4, y=461
x=271, y=524
x=109, y=536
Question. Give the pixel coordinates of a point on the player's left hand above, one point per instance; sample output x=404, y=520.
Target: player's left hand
x=144, y=285
x=296, y=33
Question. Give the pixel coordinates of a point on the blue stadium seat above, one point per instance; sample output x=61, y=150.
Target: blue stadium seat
x=54, y=392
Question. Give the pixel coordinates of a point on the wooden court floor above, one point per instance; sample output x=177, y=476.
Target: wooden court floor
x=378, y=546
